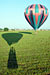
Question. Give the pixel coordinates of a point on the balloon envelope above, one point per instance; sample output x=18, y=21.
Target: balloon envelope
x=36, y=14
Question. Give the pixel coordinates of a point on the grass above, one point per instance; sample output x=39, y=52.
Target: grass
x=32, y=52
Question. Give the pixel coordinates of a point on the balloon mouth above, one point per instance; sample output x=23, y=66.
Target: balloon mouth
x=35, y=29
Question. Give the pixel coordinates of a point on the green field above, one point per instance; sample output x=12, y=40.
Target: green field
x=32, y=52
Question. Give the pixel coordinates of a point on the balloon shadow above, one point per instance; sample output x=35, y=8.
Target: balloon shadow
x=26, y=32
x=12, y=61
x=12, y=38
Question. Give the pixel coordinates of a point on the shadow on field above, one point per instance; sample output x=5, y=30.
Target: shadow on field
x=12, y=38
x=12, y=62
x=26, y=32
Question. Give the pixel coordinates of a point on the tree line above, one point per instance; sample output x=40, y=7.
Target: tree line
x=6, y=29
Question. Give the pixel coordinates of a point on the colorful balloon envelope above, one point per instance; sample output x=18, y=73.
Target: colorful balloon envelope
x=36, y=14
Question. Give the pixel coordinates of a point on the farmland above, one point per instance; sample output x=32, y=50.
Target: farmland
x=32, y=52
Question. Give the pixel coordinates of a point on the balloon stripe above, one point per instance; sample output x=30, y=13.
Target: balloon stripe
x=31, y=21
x=38, y=20
x=31, y=15
x=41, y=6
x=42, y=16
x=41, y=23
x=27, y=19
x=36, y=9
x=34, y=21
x=31, y=6
x=44, y=19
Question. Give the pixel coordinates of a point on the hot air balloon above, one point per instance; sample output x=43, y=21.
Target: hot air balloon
x=36, y=14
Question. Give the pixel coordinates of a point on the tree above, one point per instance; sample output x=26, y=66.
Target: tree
x=6, y=29
x=1, y=29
